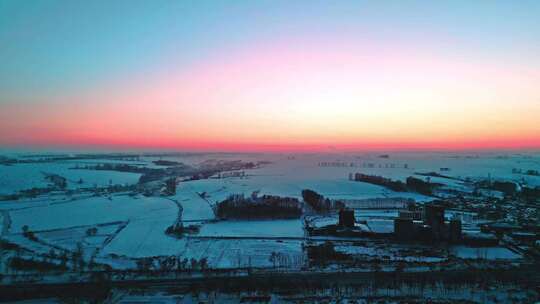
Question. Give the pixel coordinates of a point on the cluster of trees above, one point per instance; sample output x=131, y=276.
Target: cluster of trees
x=91, y=231
x=114, y=167
x=396, y=185
x=435, y=174
x=77, y=256
x=34, y=192
x=530, y=194
x=420, y=186
x=111, y=189
x=507, y=188
x=29, y=234
x=511, y=189
x=4, y=160
x=211, y=167
x=178, y=229
x=411, y=184
x=5, y=245
x=526, y=172
x=9, y=197
x=227, y=165
x=167, y=163
x=52, y=261
x=280, y=259
x=170, y=186
x=148, y=174
x=267, y=206
x=318, y=203
x=58, y=181
x=22, y=264
x=173, y=169
x=203, y=171
x=172, y=263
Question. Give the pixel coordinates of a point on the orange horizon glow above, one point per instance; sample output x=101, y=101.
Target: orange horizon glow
x=335, y=90
x=214, y=146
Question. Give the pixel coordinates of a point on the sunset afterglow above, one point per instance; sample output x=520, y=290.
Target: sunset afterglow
x=359, y=76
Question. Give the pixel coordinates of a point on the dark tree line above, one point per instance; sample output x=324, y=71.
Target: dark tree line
x=411, y=184
x=423, y=187
x=396, y=185
x=267, y=206
x=22, y=264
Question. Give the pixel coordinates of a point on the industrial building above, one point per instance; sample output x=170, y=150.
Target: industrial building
x=432, y=227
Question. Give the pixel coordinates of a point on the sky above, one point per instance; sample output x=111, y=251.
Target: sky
x=270, y=75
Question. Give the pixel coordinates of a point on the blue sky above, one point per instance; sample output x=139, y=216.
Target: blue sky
x=62, y=45
x=55, y=54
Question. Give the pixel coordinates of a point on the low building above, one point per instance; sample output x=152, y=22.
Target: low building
x=346, y=218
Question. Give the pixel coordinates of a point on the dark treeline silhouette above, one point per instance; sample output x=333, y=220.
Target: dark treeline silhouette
x=423, y=187
x=30, y=264
x=168, y=163
x=174, y=169
x=411, y=184
x=178, y=230
x=530, y=194
x=318, y=203
x=526, y=172
x=507, y=188
x=266, y=206
x=401, y=286
x=315, y=200
x=436, y=174
x=148, y=174
x=397, y=186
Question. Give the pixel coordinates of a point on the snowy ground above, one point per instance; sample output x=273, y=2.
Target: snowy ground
x=134, y=226
x=92, y=211
x=125, y=225
x=489, y=253
x=267, y=228
x=289, y=175
x=26, y=176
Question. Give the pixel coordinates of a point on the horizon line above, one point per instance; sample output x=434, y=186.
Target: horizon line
x=267, y=148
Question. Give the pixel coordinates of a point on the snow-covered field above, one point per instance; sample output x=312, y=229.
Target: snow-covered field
x=131, y=226
x=26, y=176
x=381, y=226
x=194, y=207
x=134, y=226
x=394, y=253
x=92, y=211
x=267, y=228
x=495, y=253
x=145, y=237
x=289, y=175
x=243, y=253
